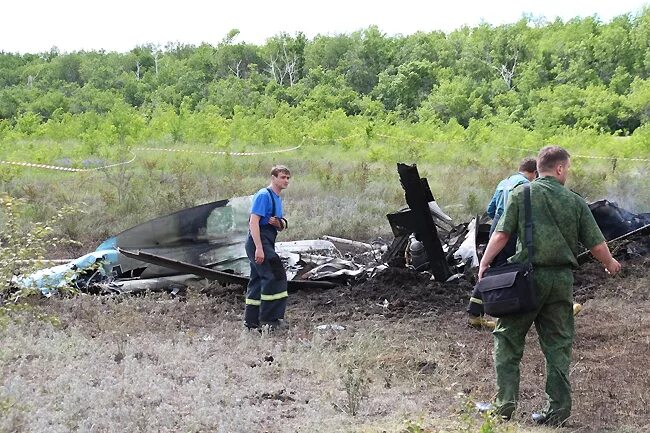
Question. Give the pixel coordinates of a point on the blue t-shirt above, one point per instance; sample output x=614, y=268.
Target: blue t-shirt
x=263, y=206
x=500, y=198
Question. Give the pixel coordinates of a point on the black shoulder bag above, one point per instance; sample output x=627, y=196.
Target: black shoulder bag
x=509, y=289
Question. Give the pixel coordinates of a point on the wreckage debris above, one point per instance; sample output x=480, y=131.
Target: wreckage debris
x=463, y=244
x=422, y=231
x=420, y=221
x=208, y=241
x=615, y=221
x=214, y=275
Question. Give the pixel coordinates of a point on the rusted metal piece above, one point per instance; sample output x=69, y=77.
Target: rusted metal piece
x=419, y=220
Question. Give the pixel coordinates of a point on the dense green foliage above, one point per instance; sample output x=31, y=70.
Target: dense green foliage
x=466, y=106
x=582, y=73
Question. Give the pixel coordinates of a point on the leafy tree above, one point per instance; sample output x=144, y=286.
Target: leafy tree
x=236, y=60
x=179, y=50
x=10, y=68
x=640, y=41
x=457, y=99
x=125, y=123
x=408, y=87
x=284, y=58
x=134, y=90
x=371, y=53
x=567, y=51
x=326, y=52
x=46, y=104
x=420, y=46
x=101, y=70
x=230, y=92
x=638, y=101
x=91, y=99
x=141, y=59
x=595, y=107
x=613, y=50
x=9, y=102
x=28, y=123
x=67, y=68
x=330, y=94
x=202, y=62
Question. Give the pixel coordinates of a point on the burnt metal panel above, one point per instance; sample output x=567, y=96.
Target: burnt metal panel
x=614, y=221
x=418, y=195
x=211, y=235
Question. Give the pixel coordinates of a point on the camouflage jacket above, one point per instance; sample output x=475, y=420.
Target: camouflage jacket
x=561, y=219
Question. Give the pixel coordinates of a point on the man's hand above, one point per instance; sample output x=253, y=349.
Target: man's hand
x=275, y=222
x=494, y=246
x=601, y=252
x=259, y=256
x=612, y=267
x=481, y=270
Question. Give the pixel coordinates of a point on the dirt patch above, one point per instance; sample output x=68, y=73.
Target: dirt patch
x=632, y=283
x=608, y=373
x=394, y=293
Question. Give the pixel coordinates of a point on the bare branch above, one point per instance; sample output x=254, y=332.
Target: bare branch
x=156, y=58
x=507, y=73
x=237, y=69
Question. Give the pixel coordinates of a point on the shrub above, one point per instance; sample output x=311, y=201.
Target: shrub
x=21, y=251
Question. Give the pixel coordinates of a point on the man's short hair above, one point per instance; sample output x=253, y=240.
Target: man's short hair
x=528, y=165
x=277, y=169
x=550, y=156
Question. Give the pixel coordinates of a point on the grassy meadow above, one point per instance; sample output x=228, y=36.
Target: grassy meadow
x=154, y=363
x=343, y=185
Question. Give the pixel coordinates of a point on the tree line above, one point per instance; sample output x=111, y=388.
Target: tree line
x=582, y=73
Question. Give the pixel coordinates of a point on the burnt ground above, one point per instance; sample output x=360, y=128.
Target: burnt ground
x=609, y=375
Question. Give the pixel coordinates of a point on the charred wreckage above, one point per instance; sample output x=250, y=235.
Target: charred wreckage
x=207, y=241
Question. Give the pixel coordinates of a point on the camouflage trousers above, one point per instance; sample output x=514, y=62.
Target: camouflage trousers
x=555, y=329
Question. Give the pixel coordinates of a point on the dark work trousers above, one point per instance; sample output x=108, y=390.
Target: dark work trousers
x=266, y=296
x=475, y=307
x=508, y=251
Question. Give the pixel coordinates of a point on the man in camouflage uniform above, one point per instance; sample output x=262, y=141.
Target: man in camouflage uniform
x=561, y=222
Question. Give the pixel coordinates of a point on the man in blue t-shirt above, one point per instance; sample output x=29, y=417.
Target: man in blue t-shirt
x=527, y=173
x=266, y=295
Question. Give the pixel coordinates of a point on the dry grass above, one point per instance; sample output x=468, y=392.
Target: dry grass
x=156, y=364
x=159, y=364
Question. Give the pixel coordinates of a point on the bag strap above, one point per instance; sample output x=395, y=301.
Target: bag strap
x=528, y=228
x=272, y=201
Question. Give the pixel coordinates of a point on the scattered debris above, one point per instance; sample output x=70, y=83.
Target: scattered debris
x=207, y=241
x=330, y=327
x=615, y=221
